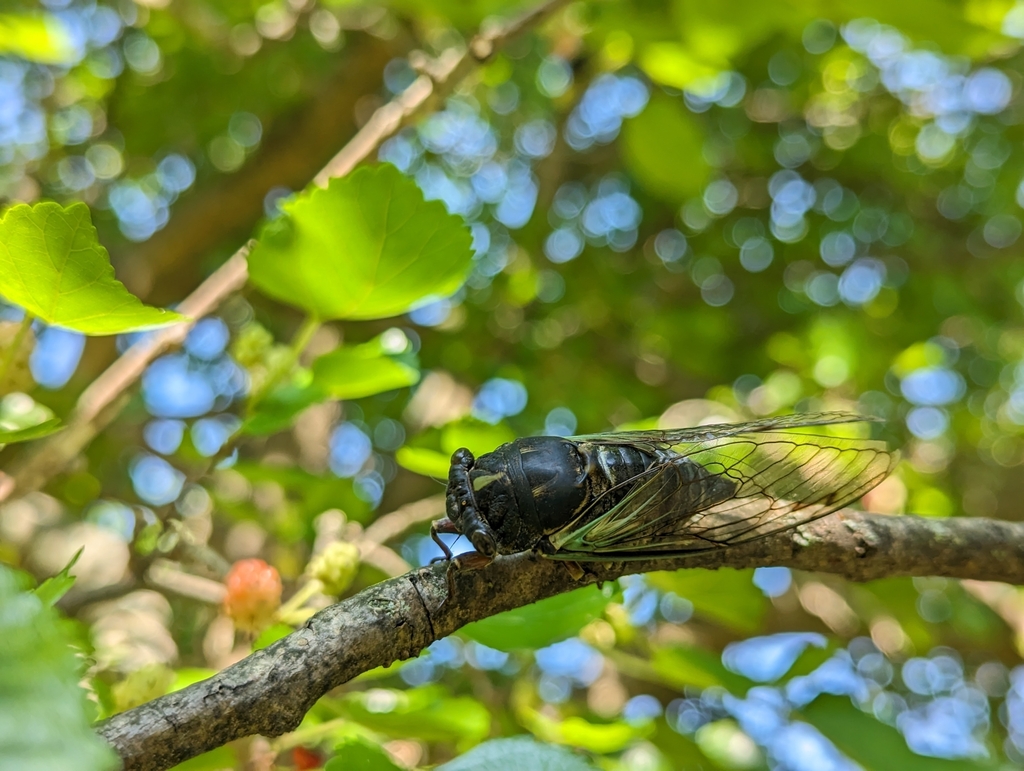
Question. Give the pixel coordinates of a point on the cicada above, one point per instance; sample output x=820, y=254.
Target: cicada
x=638, y=495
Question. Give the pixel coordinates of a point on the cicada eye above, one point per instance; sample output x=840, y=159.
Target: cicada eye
x=483, y=543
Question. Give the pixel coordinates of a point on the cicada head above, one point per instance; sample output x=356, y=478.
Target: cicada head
x=508, y=499
x=462, y=507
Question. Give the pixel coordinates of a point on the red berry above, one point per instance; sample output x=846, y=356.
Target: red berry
x=305, y=760
x=253, y=594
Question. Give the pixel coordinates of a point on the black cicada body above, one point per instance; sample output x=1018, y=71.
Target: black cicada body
x=645, y=494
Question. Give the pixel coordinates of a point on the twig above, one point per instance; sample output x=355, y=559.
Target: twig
x=295, y=349
x=270, y=691
x=395, y=523
x=103, y=400
x=15, y=349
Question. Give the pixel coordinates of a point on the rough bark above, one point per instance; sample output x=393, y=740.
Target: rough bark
x=269, y=692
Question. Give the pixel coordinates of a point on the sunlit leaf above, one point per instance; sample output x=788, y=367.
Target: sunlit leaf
x=430, y=454
x=55, y=587
x=37, y=38
x=542, y=623
x=476, y=435
x=23, y=419
x=517, y=752
x=429, y=463
x=367, y=247
x=53, y=266
x=352, y=372
x=38, y=431
x=574, y=731
x=671, y=64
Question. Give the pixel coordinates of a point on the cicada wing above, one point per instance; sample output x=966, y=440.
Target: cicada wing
x=728, y=490
x=666, y=438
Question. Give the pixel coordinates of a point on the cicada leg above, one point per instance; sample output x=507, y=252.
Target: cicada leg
x=442, y=526
x=467, y=561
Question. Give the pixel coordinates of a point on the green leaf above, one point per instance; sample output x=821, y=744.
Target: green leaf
x=367, y=247
x=352, y=372
x=43, y=723
x=517, y=752
x=662, y=148
x=187, y=676
x=53, y=266
x=36, y=37
x=726, y=596
x=23, y=419
x=276, y=411
x=356, y=754
x=426, y=713
x=478, y=436
x=876, y=746
x=420, y=460
x=271, y=635
x=599, y=738
x=214, y=760
x=542, y=623
x=686, y=665
x=38, y=431
x=672, y=64
x=55, y=587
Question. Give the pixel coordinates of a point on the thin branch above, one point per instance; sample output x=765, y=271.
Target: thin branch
x=15, y=349
x=395, y=523
x=295, y=349
x=270, y=691
x=104, y=399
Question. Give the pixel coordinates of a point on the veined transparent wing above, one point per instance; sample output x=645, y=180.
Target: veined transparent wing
x=666, y=438
x=722, y=485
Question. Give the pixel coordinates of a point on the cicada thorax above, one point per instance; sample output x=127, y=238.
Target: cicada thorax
x=531, y=487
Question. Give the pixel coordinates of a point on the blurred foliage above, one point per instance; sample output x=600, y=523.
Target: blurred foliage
x=42, y=707
x=638, y=214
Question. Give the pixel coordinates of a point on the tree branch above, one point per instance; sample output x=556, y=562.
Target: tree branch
x=270, y=691
x=104, y=399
